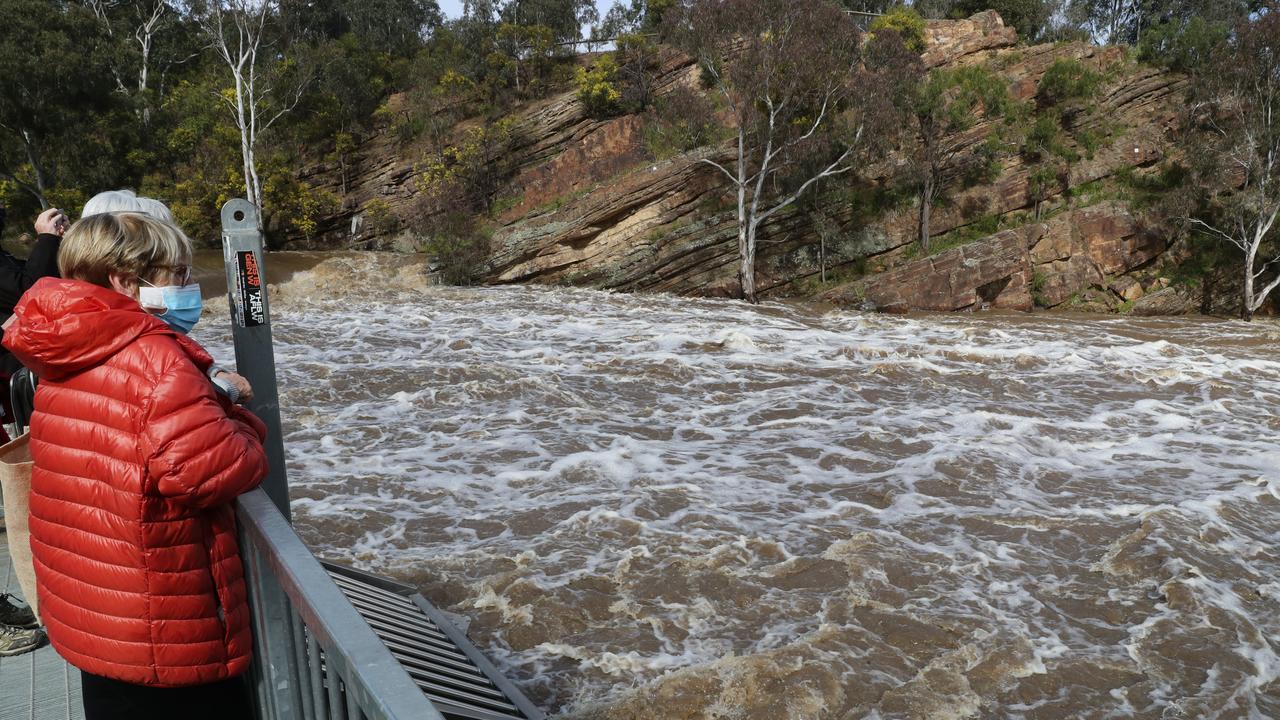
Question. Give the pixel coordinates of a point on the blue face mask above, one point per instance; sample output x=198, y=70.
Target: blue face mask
x=182, y=304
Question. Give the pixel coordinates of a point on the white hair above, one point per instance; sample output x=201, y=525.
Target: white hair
x=125, y=201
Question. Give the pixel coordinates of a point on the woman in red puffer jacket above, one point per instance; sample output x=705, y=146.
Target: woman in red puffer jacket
x=137, y=462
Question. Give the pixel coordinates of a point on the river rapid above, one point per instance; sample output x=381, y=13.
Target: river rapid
x=658, y=507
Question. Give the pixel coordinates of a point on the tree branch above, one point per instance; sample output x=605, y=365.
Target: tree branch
x=1211, y=230
x=721, y=168
x=830, y=171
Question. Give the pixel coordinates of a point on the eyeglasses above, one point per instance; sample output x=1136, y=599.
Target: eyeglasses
x=181, y=273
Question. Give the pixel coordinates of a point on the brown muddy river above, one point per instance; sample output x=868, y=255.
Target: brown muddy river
x=656, y=507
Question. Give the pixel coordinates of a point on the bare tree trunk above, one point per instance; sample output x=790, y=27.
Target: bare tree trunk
x=1246, y=312
x=746, y=258
x=822, y=256
x=748, y=274
x=246, y=145
x=926, y=210
x=256, y=190
x=37, y=168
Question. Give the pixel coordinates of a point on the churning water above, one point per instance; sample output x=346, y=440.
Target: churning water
x=657, y=507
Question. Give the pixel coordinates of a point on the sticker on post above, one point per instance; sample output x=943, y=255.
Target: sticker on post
x=253, y=311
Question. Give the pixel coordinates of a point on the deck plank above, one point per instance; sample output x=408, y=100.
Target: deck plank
x=37, y=685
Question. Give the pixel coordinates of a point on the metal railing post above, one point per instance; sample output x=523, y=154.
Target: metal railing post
x=251, y=330
x=275, y=672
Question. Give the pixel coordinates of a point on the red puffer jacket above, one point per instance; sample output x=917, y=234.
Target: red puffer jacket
x=137, y=461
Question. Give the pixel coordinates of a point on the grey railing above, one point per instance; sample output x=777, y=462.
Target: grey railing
x=314, y=655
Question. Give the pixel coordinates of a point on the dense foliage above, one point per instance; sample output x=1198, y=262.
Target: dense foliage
x=99, y=94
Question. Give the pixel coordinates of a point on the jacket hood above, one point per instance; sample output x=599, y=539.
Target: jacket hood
x=61, y=327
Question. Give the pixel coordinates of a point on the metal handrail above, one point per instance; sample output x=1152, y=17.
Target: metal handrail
x=314, y=655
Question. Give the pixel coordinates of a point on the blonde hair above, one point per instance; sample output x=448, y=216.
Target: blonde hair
x=125, y=201
x=127, y=243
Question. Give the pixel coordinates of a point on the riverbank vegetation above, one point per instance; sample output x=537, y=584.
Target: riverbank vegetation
x=199, y=101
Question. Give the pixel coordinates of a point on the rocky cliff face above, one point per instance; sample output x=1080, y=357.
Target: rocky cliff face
x=1102, y=247
x=589, y=206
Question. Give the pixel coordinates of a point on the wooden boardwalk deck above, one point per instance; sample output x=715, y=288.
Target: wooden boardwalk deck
x=37, y=685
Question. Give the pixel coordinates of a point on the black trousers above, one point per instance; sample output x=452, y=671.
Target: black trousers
x=107, y=699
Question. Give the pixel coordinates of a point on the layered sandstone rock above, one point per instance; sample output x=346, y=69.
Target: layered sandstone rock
x=1042, y=264
x=992, y=272
x=589, y=206
x=962, y=41
x=1168, y=301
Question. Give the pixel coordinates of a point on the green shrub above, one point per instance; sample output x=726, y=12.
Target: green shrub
x=1149, y=190
x=470, y=172
x=296, y=205
x=1045, y=138
x=906, y=22
x=1090, y=140
x=458, y=248
x=681, y=121
x=1038, y=281
x=1088, y=193
x=1009, y=59
x=1043, y=182
x=985, y=226
x=598, y=89
x=1067, y=79
x=986, y=164
x=379, y=217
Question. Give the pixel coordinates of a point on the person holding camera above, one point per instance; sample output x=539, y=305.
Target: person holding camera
x=19, y=627
x=16, y=276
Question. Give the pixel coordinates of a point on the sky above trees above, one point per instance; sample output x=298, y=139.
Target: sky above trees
x=452, y=9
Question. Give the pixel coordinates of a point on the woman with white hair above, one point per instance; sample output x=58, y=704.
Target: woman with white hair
x=126, y=201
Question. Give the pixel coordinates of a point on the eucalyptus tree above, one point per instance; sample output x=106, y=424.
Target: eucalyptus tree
x=874, y=7
x=1239, y=108
x=635, y=16
x=266, y=83
x=396, y=27
x=1126, y=22
x=800, y=99
x=145, y=40
x=565, y=18
x=948, y=103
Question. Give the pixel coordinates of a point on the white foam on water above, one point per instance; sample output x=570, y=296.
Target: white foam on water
x=617, y=487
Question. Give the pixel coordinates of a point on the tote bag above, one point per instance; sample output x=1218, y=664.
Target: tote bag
x=15, y=485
